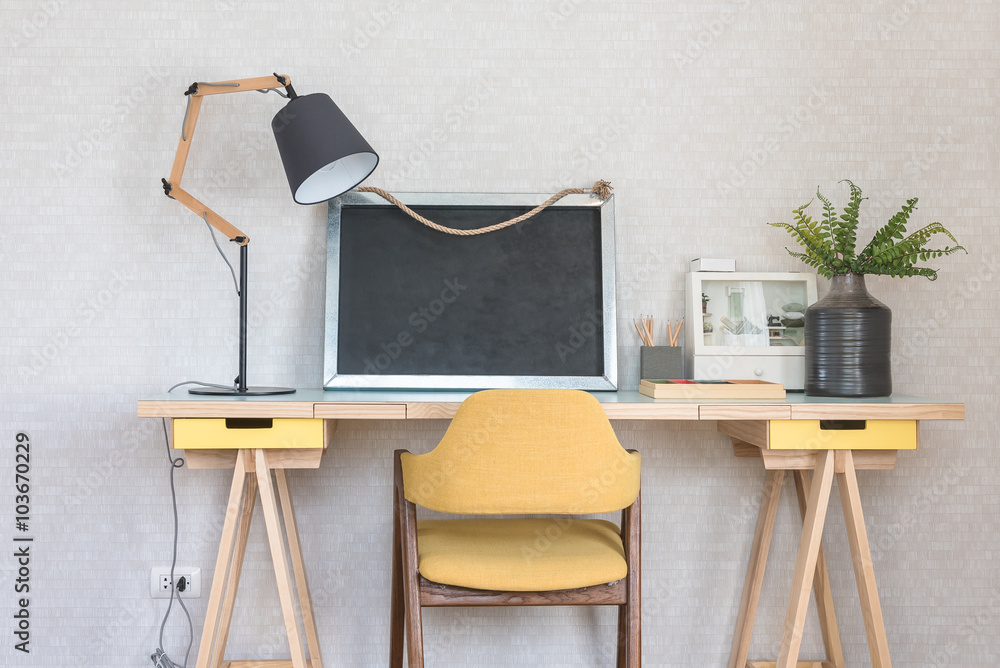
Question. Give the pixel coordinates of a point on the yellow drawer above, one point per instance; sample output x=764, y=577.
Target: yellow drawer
x=234, y=433
x=843, y=435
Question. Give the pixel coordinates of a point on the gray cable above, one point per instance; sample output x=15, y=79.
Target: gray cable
x=198, y=382
x=272, y=90
x=159, y=657
x=187, y=652
x=188, y=107
x=219, y=248
x=184, y=123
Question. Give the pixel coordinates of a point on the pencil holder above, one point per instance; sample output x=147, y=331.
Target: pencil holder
x=661, y=362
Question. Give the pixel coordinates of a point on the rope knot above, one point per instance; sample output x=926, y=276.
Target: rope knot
x=601, y=189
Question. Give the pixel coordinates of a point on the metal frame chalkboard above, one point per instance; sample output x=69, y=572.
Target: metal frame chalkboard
x=530, y=306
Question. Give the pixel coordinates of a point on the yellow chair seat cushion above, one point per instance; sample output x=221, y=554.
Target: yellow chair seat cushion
x=547, y=554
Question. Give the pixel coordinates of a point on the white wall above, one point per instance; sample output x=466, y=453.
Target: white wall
x=710, y=119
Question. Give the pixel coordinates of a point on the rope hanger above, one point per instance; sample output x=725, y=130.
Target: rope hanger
x=600, y=189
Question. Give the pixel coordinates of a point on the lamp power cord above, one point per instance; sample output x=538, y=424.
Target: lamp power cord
x=159, y=657
x=219, y=248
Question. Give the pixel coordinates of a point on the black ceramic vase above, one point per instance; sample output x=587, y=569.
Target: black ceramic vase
x=848, y=341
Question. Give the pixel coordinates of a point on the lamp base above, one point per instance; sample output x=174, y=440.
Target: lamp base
x=236, y=392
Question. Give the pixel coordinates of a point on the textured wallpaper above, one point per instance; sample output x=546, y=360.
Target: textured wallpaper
x=710, y=118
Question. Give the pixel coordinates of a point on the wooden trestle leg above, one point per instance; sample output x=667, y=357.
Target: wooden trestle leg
x=252, y=473
x=820, y=581
x=821, y=587
x=755, y=571
x=864, y=573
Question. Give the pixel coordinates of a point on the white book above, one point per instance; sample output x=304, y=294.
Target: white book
x=712, y=264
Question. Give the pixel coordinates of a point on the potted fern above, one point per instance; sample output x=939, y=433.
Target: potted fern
x=848, y=333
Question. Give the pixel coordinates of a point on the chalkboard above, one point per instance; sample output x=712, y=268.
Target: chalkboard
x=532, y=305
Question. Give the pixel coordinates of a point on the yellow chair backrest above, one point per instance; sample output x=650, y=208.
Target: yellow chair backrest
x=524, y=452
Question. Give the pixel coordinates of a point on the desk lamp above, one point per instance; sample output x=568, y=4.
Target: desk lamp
x=323, y=154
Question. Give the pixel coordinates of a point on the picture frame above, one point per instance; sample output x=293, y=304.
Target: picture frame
x=532, y=305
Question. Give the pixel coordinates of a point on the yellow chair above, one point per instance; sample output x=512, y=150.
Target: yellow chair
x=518, y=452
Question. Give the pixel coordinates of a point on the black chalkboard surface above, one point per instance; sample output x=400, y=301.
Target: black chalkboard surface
x=531, y=305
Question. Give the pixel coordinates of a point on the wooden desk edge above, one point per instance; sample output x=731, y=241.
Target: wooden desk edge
x=929, y=411
x=615, y=411
x=155, y=408
x=388, y=410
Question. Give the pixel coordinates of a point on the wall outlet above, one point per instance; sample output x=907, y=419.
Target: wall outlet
x=159, y=581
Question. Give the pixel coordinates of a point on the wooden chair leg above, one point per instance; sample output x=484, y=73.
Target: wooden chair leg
x=411, y=590
x=864, y=572
x=629, y=614
x=235, y=568
x=397, y=624
x=213, y=611
x=276, y=542
x=821, y=586
x=622, y=655
x=298, y=569
x=634, y=635
x=635, y=586
x=805, y=563
x=755, y=570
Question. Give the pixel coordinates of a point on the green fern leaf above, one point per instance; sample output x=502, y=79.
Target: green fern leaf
x=829, y=244
x=892, y=230
x=845, y=230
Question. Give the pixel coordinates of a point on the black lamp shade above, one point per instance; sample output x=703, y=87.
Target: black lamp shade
x=323, y=153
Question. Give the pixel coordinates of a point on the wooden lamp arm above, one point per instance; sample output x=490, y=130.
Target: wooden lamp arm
x=195, y=93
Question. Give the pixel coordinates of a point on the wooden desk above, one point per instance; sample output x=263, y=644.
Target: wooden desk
x=758, y=428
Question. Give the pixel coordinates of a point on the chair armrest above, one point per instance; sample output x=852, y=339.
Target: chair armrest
x=631, y=528
x=405, y=514
x=397, y=470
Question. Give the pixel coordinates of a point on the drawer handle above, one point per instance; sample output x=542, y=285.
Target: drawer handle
x=842, y=425
x=249, y=423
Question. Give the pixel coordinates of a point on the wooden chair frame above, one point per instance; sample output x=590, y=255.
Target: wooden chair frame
x=411, y=591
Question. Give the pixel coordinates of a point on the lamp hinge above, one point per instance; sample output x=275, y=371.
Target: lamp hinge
x=283, y=80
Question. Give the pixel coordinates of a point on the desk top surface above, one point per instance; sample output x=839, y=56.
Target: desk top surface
x=624, y=405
